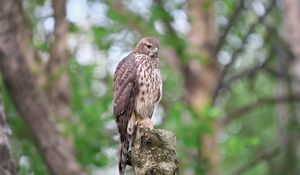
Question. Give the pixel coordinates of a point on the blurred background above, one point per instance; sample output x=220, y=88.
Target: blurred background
x=231, y=72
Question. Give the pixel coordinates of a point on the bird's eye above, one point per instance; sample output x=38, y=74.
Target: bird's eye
x=148, y=46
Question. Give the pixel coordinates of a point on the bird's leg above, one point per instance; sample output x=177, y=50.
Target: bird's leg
x=145, y=123
x=128, y=160
x=132, y=140
x=134, y=135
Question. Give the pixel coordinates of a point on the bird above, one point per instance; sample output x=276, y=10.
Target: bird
x=137, y=89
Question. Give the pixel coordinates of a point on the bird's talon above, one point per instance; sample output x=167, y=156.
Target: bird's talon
x=145, y=123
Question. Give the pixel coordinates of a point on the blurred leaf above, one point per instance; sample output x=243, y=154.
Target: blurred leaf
x=211, y=112
x=73, y=28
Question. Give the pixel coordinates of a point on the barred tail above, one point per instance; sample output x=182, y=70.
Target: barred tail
x=123, y=157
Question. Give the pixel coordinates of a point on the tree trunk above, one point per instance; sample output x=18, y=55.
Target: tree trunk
x=58, y=82
x=30, y=103
x=201, y=79
x=7, y=163
x=24, y=35
x=154, y=152
x=292, y=19
x=52, y=76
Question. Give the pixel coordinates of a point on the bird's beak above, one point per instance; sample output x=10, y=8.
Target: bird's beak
x=156, y=50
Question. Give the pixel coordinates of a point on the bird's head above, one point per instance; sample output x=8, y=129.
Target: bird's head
x=148, y=46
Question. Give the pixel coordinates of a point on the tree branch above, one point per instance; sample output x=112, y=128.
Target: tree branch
x=170, y=55
x=154, y=152
x=131, y=18
x=170, y=29
x=58, y=50
x=251, y=71
x=232, y=20
x=237, y=113
x=266, y=155
x=58, y=82
x=24, y=37
x=240, y=49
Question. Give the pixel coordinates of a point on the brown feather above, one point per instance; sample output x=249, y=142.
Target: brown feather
x=124, y=87
x=137, y=89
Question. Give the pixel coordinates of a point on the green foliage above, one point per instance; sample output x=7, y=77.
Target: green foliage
x=42, y=46
x=73, y=28
x=254, y=130
x=39, y=2
x=261, y=169
x=240, y=141
x=187, y=129
x=90, y=116
x=183, y=121
x=202, y=59
x=210, y=112
x=99, y=34
x=158, y=12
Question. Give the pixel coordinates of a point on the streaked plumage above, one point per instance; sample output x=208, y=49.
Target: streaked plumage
x=137, y=89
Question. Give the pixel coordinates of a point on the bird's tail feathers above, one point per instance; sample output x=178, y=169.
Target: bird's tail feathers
x=124, y=147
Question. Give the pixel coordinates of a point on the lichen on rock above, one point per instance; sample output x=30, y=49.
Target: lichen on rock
x=154, y=153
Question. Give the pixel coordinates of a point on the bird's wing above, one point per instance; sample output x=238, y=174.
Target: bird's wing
x=125, y=90
x=124, y=87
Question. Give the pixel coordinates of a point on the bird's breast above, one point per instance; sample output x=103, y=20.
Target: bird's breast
x=149, y=89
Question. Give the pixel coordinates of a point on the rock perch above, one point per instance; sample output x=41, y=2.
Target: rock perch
x=154, y=153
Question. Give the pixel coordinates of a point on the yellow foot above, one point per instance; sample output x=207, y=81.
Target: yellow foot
x=145, y=123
